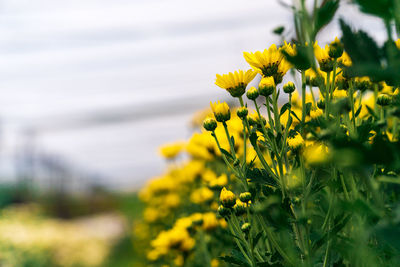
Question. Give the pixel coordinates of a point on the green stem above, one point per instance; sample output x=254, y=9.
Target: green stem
x=223, y=155
x=327, y=97
x=238, y=242
x=303, y=97
x=271, y=238
x=276, y=111
x=351, y=96
x=229, y=140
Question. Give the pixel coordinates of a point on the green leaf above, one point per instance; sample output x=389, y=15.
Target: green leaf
x=308, y=107
x=358, y=112
x=233, y=260
x=285, y=107
x=360, y=46
x=324, y=14
x=233, y=140
x=294, y=114
x=257, y=238
x=226, y=153
x=371, y=111
x=253, y=139
x=381, y=8
x=339, y=226
x=279, y=30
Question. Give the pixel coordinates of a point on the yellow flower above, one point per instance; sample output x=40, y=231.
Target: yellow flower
x=235, y=83
x=201, y=195
x=266, y=86
x=316, y=112
x=227, y=198
x=221, y=111
x=170, y=151
x=201, y=146
x=214, y=263
x=172, y=200
x=316, y=154
x=345, y=60
x=295, y=142
x=398, y=43
x=219, y=182
x=335, y=48
x=210, y=221
x=323, y=58
x=339, y=93
x=268, y=63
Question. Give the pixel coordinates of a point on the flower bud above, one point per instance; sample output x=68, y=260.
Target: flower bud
x=289, y=88
x=210, y=124
x=242, y=112
x=223, y=212
x=245, y=197
x=363, y=84
x=254, y=119
x=252, y=93
x=245, y=228
x=383, y=100
x=221, y=111
x=335, y=49
x=227, y=198
x=240, y=208
x=266, y=86
x=316, y=81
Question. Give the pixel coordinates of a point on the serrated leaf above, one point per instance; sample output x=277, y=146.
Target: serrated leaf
x=356, y=43
x=381, y=8
x=324, y=14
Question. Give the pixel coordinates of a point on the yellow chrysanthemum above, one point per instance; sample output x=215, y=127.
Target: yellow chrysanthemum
x=295, y=142
x=170, y=151
x=316, y=154
x=227, y=198
x=221, y=111
x=345, y=60
x=398, y=43
x=270, y=62
x=201, y=195
x=235, y=83
x=322, y=55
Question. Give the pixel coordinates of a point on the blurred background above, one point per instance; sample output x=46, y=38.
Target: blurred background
x=90, y=89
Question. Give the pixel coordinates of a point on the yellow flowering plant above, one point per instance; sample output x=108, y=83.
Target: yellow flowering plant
x=296, y=174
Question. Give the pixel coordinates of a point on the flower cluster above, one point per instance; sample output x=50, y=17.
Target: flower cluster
x=276, y=179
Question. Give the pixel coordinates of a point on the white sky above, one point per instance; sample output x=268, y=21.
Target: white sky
x=66, y=64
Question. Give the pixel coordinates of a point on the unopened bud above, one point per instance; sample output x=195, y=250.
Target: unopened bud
x=246, y=228
x=242, y=112
x=245, y=197
x=252, y=93
x=210, y=124
x=289, y=88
